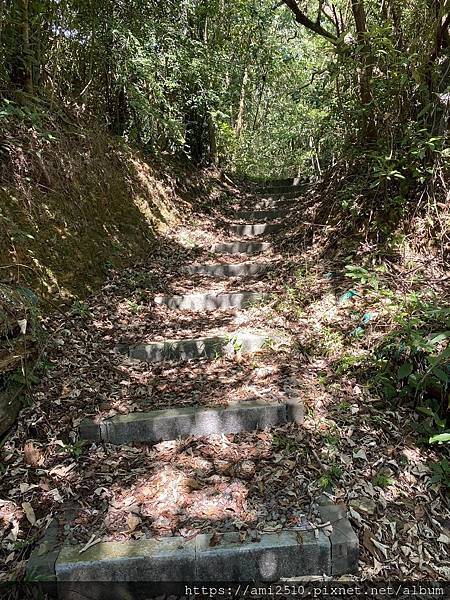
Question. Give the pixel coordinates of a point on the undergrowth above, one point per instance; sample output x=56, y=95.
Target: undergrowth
x=386, y=329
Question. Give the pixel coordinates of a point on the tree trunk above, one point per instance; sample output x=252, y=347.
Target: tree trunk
x=365, y=71
x=241, y=111
x=21, y=64
x=212, y=140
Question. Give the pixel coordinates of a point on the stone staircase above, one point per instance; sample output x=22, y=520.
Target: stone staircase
x=330, y=549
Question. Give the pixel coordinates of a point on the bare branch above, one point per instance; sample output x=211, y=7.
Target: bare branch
x=304, y=20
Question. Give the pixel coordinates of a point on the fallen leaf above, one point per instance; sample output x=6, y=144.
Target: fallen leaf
x=444, y=539
x=92, y=541
x=360, y=454
x=215, y=539
x=22, y=323
x=133, y=521
x=368, y=542
x=12, y=535
x=29, y=512
x=384, y=549
x=363, y=505
x=33, y=456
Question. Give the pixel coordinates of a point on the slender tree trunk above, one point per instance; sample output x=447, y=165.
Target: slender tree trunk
x=366, y=69
x=241, y=111
x=212, y=140
x=21, y=65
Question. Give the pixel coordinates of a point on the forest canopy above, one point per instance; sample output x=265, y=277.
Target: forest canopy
x=256, y=86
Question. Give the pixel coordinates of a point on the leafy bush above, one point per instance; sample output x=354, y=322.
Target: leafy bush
x=413, y=362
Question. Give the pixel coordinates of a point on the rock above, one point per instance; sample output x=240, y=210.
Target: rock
x=364, y=505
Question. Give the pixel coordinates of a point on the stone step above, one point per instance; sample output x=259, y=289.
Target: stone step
x=270, y=215
x=271, y=557
x=275, y=203
x=174, y=423
x=293, y=181
x=206, y=347
x=245, y=269
x=238, y=247
x=251, y=229
x=210, y=301
x=288, y=191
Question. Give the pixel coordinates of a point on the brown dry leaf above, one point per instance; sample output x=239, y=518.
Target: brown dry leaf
x=92, y=542
x=364, y=505
x=12, y=535
x=193, y=484
x=33, y=456
x=368, y=543
x=133, y=521
x=215, y=539
x=65, y=392
x=382, y=547
x=29, y=512
x=419, y=511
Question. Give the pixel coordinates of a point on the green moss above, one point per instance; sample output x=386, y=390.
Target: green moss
x=101, y=206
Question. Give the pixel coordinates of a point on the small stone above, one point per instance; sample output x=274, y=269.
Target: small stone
x=364, y=505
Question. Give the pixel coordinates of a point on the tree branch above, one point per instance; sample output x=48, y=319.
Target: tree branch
x=301, y=18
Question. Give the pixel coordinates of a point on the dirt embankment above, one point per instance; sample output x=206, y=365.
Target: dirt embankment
x=74, y=203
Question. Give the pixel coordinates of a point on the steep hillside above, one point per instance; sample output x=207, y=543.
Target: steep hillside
x=75, y=203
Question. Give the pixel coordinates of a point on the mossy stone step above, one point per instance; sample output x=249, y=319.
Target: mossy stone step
x=174, y=423
x=238, y=247
x=270, y=557
x=211, y=301
x=251, y=229
x=204, y=347
x=274, y=203
x=245, y=269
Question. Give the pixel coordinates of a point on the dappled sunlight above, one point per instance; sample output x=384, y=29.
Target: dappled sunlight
x=192, y=245
x=184, y=487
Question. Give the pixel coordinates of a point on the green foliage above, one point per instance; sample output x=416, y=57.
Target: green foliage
x=412, y=362
x=414, y=359
x=382, y=480
x=81, y=309
x=362, y=275
x=440, y=438
x=441, y=473
x=288, y=445
x=74, y=450
x=240, y=83
x=331, y=477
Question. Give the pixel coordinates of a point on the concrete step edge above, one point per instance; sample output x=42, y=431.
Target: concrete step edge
x=289, y=553
x=228, y=270
x=250, y=229
x=275, y=204
x=174, y=423
x=211, y=300
x=230, y=344
x=263, y=214
x=240, y=247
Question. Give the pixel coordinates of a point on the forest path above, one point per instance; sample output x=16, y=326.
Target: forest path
x=202, y=495
x=226, y=333
x=240, y=471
